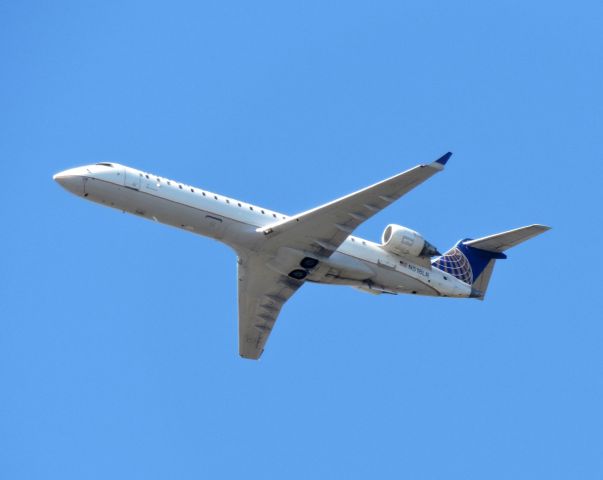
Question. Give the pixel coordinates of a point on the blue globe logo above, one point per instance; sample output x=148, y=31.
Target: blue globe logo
x=456, y=264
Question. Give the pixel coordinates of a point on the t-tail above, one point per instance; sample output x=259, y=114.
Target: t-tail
x=472, y=261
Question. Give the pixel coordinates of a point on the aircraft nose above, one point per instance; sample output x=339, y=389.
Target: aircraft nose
x=71, y=181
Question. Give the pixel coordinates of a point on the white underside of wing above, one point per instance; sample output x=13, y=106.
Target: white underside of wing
x=262, y=294
x=264, y=284
x=323, y=229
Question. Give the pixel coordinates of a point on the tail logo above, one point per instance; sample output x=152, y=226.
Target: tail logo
x=456, y=264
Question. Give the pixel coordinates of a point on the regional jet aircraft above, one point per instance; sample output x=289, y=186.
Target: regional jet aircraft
x=277, y=253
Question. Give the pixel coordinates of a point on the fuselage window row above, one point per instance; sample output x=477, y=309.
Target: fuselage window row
x=181, y=187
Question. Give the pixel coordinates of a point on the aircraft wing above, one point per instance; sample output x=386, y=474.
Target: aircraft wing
x=322, y=229
x=262, y=293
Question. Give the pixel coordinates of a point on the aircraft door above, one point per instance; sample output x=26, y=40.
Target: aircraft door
x=133, y=179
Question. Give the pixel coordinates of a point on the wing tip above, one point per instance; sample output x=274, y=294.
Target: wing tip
x=250, y=353
x=250, y=356
x=541, y=227
x=444, y=158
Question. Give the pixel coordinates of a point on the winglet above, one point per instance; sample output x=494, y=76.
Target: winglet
x=444, y=158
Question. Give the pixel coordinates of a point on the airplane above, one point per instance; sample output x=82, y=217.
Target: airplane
x=278, y=253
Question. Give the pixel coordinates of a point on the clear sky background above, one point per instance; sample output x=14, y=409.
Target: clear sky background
x=118, y=336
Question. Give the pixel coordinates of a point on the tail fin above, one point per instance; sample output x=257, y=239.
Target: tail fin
x=472, y=261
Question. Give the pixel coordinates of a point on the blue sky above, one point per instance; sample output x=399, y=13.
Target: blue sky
x=118, y=343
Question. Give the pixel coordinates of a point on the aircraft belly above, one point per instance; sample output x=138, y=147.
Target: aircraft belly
x=350, y=267
x=342, y=269
x=402, y=283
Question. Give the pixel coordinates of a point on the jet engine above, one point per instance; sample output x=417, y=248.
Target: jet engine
x=404, y=241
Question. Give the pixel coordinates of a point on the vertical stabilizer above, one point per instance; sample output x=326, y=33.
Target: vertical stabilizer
x=479, y=287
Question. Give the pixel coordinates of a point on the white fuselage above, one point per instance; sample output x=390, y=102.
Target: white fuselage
x=357, y=262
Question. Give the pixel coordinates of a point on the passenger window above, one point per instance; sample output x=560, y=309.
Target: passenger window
x=274, y=215
x=203, y=193
x=227, y=201
x=180, y=187
x=215, y=197
x=239, y=204
x=193, y=190
x=250, y=208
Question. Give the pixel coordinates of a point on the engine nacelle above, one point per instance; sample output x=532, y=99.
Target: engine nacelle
x=404, y=241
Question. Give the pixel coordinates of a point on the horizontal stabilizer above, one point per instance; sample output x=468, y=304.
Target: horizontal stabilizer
x=505, y=240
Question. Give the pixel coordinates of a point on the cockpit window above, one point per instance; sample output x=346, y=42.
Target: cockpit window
x=106, y=164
